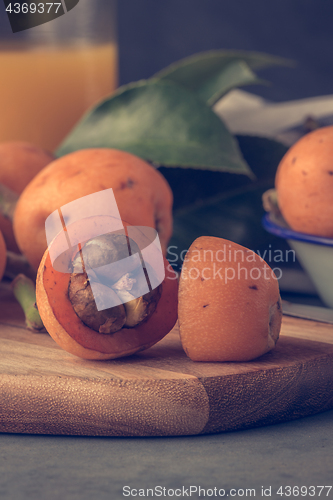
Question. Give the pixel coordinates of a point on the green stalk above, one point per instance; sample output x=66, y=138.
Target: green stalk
x=8, y=200
x=25, y=293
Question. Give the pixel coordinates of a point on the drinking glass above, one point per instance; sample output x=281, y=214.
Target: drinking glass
x=51, y=74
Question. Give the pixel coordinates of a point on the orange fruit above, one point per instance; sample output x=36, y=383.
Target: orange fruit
x=143, y=196
x=304, y=184
x=73, y=335
x=19, y=163
x=229, y=302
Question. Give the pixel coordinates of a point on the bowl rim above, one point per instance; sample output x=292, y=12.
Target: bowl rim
x=289, y=234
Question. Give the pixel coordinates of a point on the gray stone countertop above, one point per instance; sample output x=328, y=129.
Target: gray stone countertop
x=238, y=464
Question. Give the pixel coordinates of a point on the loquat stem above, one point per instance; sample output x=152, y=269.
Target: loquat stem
x=270, y=201
x=25, y=293
x=270, y=204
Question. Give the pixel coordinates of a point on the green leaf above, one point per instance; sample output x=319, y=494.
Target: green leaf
x=261, y=154
x=235, y=74
x=224, y=205
x=160, y=122
x=235, y=216
x=212, y=74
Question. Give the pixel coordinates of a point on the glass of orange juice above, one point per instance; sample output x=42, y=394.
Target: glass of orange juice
x=52, y=73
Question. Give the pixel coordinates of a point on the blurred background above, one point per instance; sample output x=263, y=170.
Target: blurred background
x=153, y=34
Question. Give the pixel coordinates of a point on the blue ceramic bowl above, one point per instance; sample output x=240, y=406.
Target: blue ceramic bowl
x=313, y=252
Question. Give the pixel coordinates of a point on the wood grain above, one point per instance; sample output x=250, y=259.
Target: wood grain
x=158, y=392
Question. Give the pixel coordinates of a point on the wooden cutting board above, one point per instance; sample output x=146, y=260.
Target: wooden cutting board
x=158, y=392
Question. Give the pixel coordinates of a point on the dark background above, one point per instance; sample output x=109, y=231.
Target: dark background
x=155, y=33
